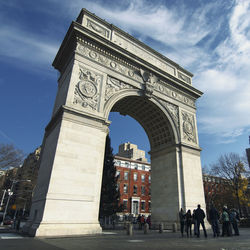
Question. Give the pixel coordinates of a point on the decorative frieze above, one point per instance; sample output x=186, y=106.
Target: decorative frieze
x=188, y=127
x=152, y=83
x=109, y=61
x=163, y=89
x=113, y=85
x=173, y=110
x=87, y=89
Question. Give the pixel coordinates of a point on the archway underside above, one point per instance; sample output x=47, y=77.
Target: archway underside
x=151, y=118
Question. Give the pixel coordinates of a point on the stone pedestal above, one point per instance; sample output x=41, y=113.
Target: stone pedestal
x=66, y=200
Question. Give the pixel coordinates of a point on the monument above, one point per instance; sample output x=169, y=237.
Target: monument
x=102, y=70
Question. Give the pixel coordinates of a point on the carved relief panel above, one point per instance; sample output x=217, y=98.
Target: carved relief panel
x=173, y=110
x=113, y=85
x=87, y=89
x=188, y=127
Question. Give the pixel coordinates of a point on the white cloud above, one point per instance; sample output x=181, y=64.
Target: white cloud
x=225, y=111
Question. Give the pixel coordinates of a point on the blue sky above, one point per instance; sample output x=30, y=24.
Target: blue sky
x=211, y=39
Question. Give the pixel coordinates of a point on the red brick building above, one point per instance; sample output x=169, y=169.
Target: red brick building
x=134, y=180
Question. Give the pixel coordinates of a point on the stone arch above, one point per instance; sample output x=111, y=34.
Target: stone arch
x=103, y=69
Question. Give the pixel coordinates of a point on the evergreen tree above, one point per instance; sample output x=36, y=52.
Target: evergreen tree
x=109, y=192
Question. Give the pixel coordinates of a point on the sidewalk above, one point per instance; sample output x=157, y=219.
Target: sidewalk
x=6, y=229
x=119, y=240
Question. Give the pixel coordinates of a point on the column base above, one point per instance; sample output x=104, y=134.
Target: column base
x=61, y=229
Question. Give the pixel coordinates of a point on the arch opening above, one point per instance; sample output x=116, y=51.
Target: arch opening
x=155, y=123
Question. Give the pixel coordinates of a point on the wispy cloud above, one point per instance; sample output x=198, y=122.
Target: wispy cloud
x=25, y=46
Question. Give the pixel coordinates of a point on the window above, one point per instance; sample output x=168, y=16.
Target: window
x=143, y=190
x=117, y=174
x=135, y=189
x=143, y=205
x=118, y=163
x=126, y=164
x=143, y=167
x=143, y=178
x=149, y=178
x=125, y=176
x=149, y=206
x=136, y=166
x=135, y=176
x=125, y=204
x=125, y=188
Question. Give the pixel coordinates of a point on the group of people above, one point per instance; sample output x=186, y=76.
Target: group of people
x=228, y=218
x=196, y=219
x=141, y=220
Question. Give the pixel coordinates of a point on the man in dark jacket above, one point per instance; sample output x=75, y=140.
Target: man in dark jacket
x=214, y=220
x=200, y=215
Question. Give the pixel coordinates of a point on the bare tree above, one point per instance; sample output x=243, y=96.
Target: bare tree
x=232, y=169
x=10, y=156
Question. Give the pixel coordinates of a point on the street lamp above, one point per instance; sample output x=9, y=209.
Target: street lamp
x=4, y=192
x=10, y=192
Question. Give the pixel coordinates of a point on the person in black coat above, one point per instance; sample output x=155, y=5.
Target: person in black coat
x=200, y=216
x=182, y=220
x=214, y=217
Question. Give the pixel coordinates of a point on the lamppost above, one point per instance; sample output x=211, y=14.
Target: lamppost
x=10, y=192
x=4, y=192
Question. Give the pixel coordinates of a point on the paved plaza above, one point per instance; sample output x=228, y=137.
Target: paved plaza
x=119, y=240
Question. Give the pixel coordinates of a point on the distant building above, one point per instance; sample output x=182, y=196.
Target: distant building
x=134, y=180
x=216, y=191
x=131, y=151
x=27, y=178
x=134, y=184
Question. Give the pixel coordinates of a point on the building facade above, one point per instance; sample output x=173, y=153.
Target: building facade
x=26, y=181
x=134, y=180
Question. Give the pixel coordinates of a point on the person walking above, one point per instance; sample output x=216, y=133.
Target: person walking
x=214, y=220
x=182, y=220
x=200, y=216
x=234, y=218
x=225, y=222
x=188, y=223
